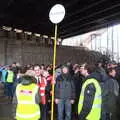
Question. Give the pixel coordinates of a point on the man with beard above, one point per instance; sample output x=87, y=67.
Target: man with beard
x=64, y=94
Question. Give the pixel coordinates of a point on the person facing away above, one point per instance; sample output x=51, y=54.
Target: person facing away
x=64, y=94
x=113, y=93
x=90, y=100
x=26, y=100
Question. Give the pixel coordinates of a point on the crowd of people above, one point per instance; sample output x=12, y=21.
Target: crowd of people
x=82, y=91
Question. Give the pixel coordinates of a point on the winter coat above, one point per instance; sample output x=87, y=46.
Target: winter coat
x=64, y=87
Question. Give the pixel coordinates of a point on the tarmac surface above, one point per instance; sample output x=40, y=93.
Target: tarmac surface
x=5, y=105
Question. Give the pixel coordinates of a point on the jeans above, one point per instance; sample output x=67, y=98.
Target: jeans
x=105, y=116
x=64, y=105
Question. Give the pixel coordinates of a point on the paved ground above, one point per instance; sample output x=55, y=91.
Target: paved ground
x=5, y=106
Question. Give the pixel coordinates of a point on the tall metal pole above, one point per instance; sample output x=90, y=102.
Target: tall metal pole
x=91, y=43
x=53, y=80
x=95, y=41
x=117, y=45
x=107, y=39
x=100, y=42
x=112, y=43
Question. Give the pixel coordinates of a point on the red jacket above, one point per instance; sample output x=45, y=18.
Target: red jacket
x=42, y=84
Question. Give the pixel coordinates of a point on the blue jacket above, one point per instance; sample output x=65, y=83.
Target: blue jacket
x=4, y=75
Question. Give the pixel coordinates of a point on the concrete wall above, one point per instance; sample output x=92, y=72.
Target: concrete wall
x=31, y=52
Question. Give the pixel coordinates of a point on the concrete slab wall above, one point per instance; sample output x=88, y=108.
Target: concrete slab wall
x=31, y=52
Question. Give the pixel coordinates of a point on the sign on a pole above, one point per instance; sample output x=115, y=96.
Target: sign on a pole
x=57, y=13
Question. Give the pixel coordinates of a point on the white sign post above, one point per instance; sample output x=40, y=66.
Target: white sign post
x=56, y=15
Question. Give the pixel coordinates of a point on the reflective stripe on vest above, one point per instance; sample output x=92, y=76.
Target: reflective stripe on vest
x=28, y=116
x=95, y=113
x=27, y=108
x=10, y=76
x=25, y=102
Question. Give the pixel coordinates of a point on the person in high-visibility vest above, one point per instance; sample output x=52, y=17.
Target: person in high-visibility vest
x=90, y=100
x=26, y=100
x=9, y=83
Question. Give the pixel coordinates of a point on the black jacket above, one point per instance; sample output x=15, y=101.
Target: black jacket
x=64, y=88
x=111, y=95
x=78, y=84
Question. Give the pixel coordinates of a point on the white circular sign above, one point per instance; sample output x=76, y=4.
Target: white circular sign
x=57, y=13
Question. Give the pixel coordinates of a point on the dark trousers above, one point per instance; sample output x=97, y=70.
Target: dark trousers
x=9, y=89
x=43, y=111
x=75, y=110
x=105, y=116
x=64, y=106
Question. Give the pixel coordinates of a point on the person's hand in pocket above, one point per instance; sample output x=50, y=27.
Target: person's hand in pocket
x=57, y=101
x=72, y=101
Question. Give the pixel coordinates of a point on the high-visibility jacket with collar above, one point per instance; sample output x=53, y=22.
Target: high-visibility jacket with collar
x=27, y=109
x=95, y=113
x=10, y=77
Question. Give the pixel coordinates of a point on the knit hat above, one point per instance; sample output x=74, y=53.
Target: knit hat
x=30, y=73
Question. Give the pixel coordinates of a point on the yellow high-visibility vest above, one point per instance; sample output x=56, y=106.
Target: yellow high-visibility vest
x=95, y=113
x=10, y=76
x=27, y=109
